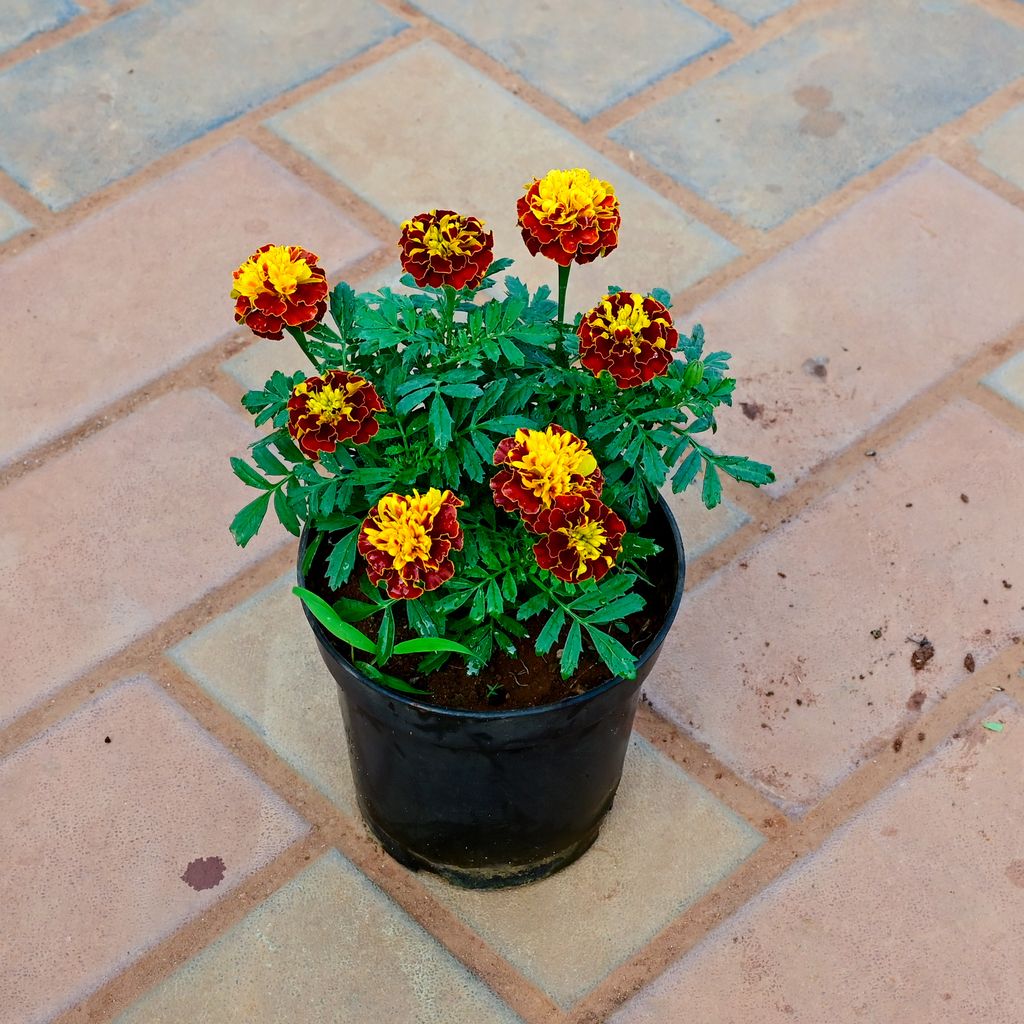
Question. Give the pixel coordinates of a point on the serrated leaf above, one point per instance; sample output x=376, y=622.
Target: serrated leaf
x=571, y=650
x=549, y=634
x=687, y=472
x=711, y=492
x=441, y=423
x=618, y=659
x=342, y=560
x=662, y=296
x=248, y=475
x=268, y=461
x=531, y=607
x=332, y=621
x=248, y=521
x=286, y=514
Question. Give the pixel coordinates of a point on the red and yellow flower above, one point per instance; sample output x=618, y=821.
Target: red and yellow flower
x=569, y=216
x=581, y=539
x=326, y=411
x=443, y=247
x=407, y=540
x=629, y=335
x=279, y=286
x=540, y=466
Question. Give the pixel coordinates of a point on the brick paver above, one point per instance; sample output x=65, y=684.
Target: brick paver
x=327, y=946
x=258, y=661
x=568, y=931
x=22, y=19
x=108, y=540
x=796, y=691
x=784, y=127
x=167, y=254
x=839, y=330
x=473, y=146
x=105, y=104
x=103, y=814
x=1001, y=146
x=615, y=53
x=912, y=913
x=835, y=188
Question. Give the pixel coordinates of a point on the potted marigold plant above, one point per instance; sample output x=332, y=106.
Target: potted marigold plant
x=485, y=561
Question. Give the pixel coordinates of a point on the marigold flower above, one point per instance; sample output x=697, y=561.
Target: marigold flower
x=325, y=411
x=629, y=335
x=279, y=286
x=406, y=540
x=582, y=538
x=541, y=465
x=569, y=215
x=442, y=247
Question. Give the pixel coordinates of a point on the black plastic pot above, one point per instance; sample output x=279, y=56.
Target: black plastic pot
x=492, y=798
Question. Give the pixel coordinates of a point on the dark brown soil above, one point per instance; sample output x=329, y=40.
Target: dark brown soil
x=527, y=679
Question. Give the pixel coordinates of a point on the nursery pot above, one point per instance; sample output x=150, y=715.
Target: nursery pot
x=492, y=798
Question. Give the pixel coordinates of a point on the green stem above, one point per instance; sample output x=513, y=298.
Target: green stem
x=303, y=342
x=563, y=283
x=451, y=299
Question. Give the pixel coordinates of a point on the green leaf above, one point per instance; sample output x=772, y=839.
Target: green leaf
x=993, y=726
x=711, y=493
x=333, y=622
x=613, y=654
x=741, y=468
x=352, y=610
x=311, y=550
x=687, y=472
x=532, y=606
x=440, y=420
x=617, y=609
x=662, y=296
x=430, y=644
x=571, y=650
x=392, y=682
x=549, y=634
x=289, y=520
x=248, y=475
x=247, y=523
x=342, y=560
x=385, y=637
x=268, y=461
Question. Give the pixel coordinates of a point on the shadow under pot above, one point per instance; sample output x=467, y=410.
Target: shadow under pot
x=493, y=798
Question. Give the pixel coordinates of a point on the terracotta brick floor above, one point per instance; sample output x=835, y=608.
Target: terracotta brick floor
x=809, y=830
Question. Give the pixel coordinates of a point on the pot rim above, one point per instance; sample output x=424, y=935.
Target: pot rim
x=657, y=640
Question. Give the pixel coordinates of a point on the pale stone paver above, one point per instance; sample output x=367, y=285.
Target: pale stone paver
x=665, y=842
x=1001, y=146
x=11, y=222
x=103, y=815
x=793, y=121
x=260, y=661
x=912, y=913
x=773, y=662
x=328, y=946
x=1008, y=380
x=473, y=146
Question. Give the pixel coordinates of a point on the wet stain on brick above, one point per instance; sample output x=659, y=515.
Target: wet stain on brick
x=204, y=873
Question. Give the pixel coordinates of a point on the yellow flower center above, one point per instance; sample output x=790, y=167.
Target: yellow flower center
x=565, y=196
x=631, y=319
x=445, y=237
x=274, y=270
x=550, y=461
x=405, y=523
x=330, y=404
x=587, y=539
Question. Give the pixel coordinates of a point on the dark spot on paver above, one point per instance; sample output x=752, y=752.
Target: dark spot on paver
x=917, y=699
x=969, y=662
x=897, y=744
x=106, y=739
x=921, y=737
x=799, y=703
x=813, y=97
x=822, y=123
x=871, y=453
x=877, y=633
x=964, y=498
x=1008, y=584
x=924, y=653
x=781, y=575
x=204, y=873
x=1015, y=873
x=751, y=409
x=816, y=367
